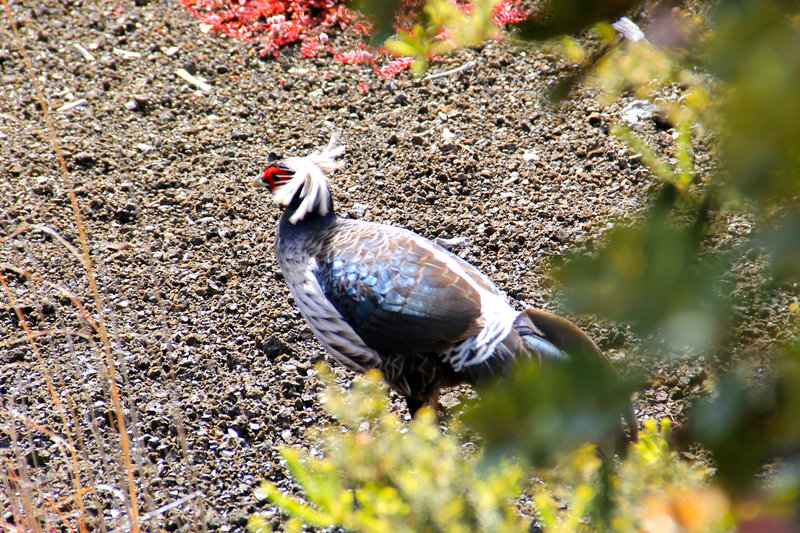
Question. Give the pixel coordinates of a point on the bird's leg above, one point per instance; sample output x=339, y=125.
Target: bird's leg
x=433, y=402
x=413, y=405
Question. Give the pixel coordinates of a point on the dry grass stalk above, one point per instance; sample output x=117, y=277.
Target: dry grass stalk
x=100, y=325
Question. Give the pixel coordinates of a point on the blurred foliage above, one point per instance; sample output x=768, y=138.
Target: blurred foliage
x=656, y=276
x=755, y=53
x=730, y=83
x=542, y=410
x=382, y=13
x=444, y=27
x=378, y=474
x=747, y=424
x=781, y=241
x=652, y=489
x=643, y=69
x=572, y=16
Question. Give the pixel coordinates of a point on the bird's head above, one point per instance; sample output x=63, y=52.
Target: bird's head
x=300, y=183
x=276, y=175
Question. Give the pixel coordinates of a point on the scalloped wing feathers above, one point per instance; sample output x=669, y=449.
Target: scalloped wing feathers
x=397, y=294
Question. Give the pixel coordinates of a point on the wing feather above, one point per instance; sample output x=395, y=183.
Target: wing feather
x=398, y=295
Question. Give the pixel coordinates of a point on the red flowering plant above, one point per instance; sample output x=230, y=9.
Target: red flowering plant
x=446, y=25
x=274, y=23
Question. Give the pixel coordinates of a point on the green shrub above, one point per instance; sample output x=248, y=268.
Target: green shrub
x=652, y=485
x=379, y=474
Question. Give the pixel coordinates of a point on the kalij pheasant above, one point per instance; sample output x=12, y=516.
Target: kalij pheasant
x=379, y=296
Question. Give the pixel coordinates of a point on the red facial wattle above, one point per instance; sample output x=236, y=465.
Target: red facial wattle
x=275, y=176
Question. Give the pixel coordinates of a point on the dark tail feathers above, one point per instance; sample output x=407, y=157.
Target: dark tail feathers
x=577, y=344
x=546, y=337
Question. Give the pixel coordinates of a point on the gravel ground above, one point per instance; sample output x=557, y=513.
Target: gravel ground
x=214, y=363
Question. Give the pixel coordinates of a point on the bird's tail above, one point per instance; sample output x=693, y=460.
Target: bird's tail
x=548, y=338
x=577, y=346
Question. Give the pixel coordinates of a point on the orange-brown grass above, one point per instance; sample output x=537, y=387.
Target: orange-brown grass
x=97, y=480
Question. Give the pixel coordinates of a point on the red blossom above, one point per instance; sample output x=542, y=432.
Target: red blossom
x=395, y=67
x=510, y=12
x=277, y=23
x=355, y=57
x=362, y=29
x=274, y=23
x=310, y=47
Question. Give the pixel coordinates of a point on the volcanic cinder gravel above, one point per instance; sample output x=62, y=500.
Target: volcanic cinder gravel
x=214, y=363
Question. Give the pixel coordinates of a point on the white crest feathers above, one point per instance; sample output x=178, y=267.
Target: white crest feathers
x=310, y=174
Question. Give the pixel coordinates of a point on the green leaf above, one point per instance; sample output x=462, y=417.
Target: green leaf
x=649, y=157
x=404, y=47
x=294, y=507
x=655, y=275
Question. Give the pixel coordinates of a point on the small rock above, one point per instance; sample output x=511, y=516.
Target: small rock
x=360, y=209
x=238, y=517
x=637, y=111
x=448, y=147
x=37, y=458
x=455, y=242
x=213, y=520
x=509, y=147
x=84, y=159
x=530, y=156
x=559, y=235
x=449, y=401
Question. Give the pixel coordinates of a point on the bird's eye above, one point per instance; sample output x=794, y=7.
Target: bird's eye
x=276, y=176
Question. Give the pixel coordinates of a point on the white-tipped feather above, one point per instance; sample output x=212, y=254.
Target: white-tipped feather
x=310, y=175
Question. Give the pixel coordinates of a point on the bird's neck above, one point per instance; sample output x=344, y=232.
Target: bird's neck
x=313, y=217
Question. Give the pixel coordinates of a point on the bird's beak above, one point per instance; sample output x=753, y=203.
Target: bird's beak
x=258, y=183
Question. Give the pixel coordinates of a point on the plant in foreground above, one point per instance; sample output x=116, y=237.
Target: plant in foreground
x=377, y=473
